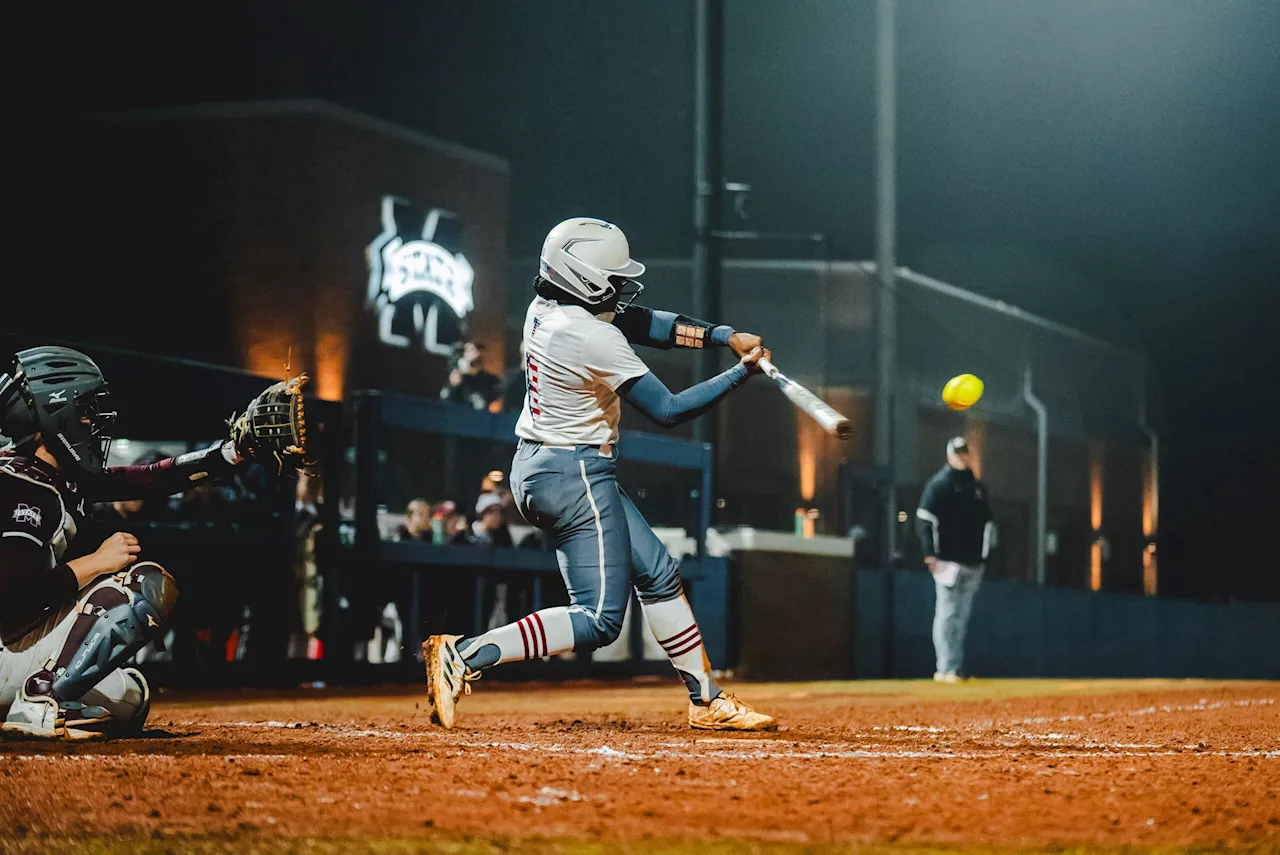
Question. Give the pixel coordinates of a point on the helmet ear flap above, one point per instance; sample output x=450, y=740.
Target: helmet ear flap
x=580, y=279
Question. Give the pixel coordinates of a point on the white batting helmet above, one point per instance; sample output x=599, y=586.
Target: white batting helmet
x=588, y=258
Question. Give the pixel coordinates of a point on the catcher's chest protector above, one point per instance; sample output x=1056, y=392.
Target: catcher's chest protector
x=24, y=477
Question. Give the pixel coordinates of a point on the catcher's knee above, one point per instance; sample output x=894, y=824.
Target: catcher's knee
x=154, y=594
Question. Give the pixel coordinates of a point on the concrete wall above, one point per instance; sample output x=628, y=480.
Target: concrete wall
x=1026, y=631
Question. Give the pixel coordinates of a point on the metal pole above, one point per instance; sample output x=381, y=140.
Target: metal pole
x=1153, y=461
x=886, y=267
x=1042, y=471
x=708, y=183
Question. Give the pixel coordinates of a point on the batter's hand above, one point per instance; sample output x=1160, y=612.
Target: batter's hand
x=752, y=359
x=744, y=342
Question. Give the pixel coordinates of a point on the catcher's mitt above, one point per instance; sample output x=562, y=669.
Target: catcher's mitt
x=273, y=429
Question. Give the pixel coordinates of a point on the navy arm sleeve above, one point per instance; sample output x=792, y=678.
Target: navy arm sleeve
x=651, y=396
x=665, y=330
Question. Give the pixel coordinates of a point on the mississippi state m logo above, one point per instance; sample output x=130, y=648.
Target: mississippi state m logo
x=419, y=280
x=28, y=515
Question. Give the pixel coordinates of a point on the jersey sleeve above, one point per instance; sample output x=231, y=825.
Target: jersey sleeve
x=28, y=512
x=608, y=357
x=163, y=478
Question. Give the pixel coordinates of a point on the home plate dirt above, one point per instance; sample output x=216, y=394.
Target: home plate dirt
x=867, y=767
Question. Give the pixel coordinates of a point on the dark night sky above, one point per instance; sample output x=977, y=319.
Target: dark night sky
x=1112, y=165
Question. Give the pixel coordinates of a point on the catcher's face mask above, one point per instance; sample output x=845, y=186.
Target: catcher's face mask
x=97, y=416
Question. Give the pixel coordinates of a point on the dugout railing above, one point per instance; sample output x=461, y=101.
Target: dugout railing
x=403, y=447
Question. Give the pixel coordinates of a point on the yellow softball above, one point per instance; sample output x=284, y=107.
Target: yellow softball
x=962, y=392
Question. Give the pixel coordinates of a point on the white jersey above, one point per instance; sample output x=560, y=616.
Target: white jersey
x=574, y=364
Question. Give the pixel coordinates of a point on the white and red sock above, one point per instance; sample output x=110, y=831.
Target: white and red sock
x=543, y=633
x=672, y=623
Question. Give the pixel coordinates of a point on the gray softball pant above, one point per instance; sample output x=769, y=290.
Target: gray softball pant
x=603, y=544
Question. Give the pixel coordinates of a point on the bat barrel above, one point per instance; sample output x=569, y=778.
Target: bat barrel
x=816, y=408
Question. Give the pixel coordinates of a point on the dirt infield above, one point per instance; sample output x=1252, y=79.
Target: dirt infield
x=612, y=768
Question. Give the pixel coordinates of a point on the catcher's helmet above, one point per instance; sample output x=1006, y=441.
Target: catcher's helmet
x=61, y=395
x=590, y=260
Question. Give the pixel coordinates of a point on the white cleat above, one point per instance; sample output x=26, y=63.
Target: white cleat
x=447, y=677
x=40, y=716
x=728, y=713
x=947, y=677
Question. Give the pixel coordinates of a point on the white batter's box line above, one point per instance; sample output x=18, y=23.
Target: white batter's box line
x=1084, y=746
x=133, y=757
x=607, y=752
x=1202, y=706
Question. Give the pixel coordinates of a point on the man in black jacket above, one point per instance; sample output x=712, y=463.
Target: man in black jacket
x=956, y=533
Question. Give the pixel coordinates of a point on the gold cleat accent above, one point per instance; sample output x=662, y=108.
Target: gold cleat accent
x=728, y=713
x=447, y=677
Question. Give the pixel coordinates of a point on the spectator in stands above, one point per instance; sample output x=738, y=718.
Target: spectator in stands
x=453, y=526
x=417, y=523
x=514, y=385
x=303, y=640
x=470, y=384
x=956, y=533
x=490, y=527
x=119, y=512
x=209, y=503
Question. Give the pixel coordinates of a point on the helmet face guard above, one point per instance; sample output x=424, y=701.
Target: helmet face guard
x=69, y=406
x=629, y=290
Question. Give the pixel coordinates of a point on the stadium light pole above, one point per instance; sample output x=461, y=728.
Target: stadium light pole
x=886, y=271
x=707, y=184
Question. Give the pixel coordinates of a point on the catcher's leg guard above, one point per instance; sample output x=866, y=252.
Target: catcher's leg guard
x=78, y=694
x=115, y=623
x=126, y=695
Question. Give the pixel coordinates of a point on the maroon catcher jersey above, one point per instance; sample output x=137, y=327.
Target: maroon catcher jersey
x=41, y=511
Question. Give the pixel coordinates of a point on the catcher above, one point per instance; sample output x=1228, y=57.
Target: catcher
x=69, y=627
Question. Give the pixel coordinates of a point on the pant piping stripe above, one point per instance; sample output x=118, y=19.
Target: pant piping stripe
x=582, y=468
x=694, y=644
x=542, y=631
x=523, y=637
x=678, y=639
